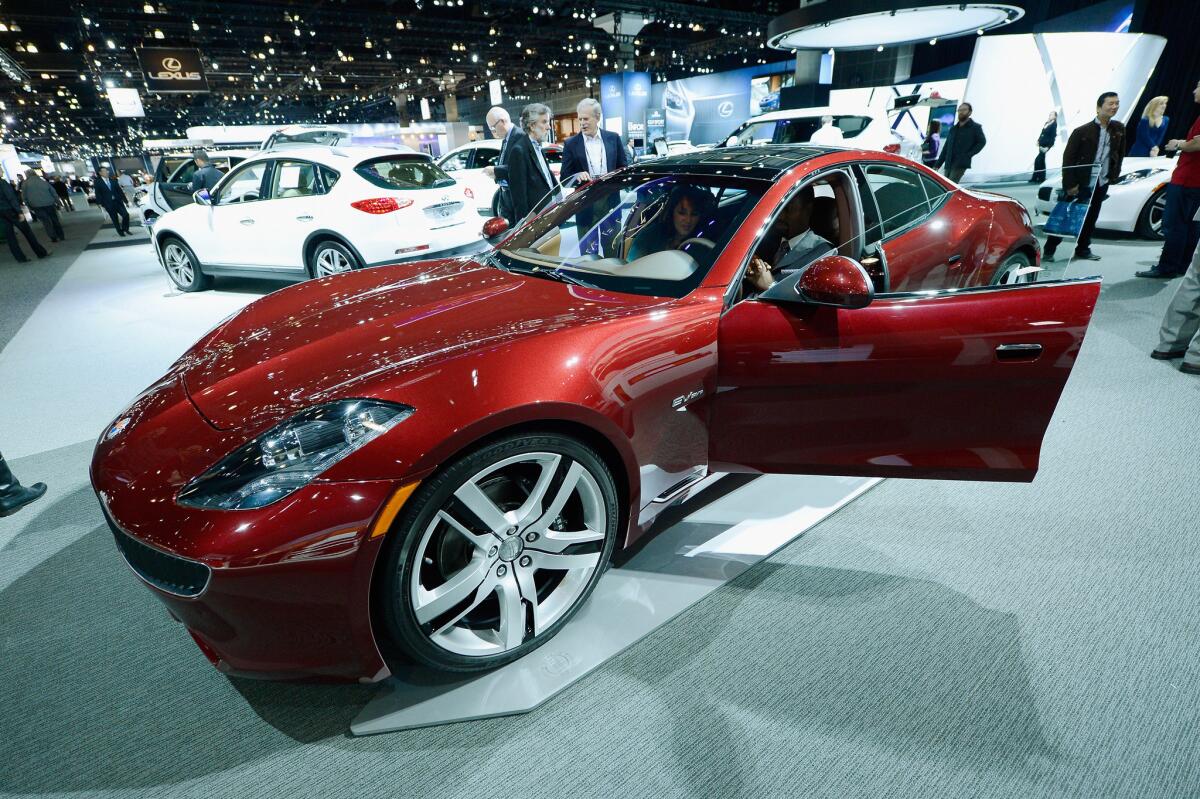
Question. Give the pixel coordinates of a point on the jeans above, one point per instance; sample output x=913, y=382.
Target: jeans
x=49, y=218
x=1180, y=229
x=1083, y=245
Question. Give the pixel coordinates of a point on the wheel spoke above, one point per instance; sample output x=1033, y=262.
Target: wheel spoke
x=431, y=604
x=565, y=489
x=528, y=588
x=482, y=506
x=555, y=541
x=482, y=542
x=512, y=611
x=549, y=560
x=533, y=505
x=484, y=590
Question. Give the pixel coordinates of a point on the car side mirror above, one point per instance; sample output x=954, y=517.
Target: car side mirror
x=833, y=280
x=202, y=197
x=495, y=227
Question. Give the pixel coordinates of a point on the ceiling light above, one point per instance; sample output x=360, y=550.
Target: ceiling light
x=195, y=26
x=158, y=34
x=64, y=45
x=111, y=45
x=148, y=8
x=31, y=48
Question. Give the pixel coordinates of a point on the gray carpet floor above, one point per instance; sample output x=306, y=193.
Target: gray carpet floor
x=930, y=640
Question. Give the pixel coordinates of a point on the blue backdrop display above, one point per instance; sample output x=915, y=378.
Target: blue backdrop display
x=706, y=108
x=624, y=98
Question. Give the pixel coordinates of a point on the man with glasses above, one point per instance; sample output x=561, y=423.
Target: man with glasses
x=501, y=126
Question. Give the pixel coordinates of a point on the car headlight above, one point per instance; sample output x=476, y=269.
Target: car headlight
x=291, y=454
x=1138, y=174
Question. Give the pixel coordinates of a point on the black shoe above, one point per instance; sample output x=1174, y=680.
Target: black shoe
x=43, y=255
x=17, y=496
x=1155, y=273
x=1168, y=355
x=1189, y=369
x=1088, y=256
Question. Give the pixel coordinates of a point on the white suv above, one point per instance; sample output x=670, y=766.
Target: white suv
x=315, y=212
x=466, y=164
x=797, y=126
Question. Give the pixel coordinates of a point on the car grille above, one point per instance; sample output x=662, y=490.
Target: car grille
x=165, y=572
x=1044, y=193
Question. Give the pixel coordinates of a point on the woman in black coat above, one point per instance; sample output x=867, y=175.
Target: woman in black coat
x=529, y=176
x=1046, y=140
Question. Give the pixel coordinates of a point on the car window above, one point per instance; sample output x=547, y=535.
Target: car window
x=185, y=172
x=851, y=126
x=655, y=235
x=484, y=156
x=329, y=177
x=899, y=195
x=456, y=161
x=243, y=185
x=754, y=133
x=294, y=179
x=553, y=156
x=935, y=192
x=403, y=172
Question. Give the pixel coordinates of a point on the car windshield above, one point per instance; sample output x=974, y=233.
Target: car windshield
x=404, y=172
x=796, y=130
x=654, y=235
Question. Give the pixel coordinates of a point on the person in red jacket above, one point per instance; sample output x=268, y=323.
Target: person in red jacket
x=1180, y=228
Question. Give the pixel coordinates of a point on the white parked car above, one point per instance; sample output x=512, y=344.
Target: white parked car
x=466, y=165
x=1135, y=200
x=797, y=126
x=318, y=211
x=172, y=186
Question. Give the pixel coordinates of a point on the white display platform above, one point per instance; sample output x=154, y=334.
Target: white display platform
x=717, y=540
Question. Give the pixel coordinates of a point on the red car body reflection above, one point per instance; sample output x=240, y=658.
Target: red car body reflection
x=950, y=384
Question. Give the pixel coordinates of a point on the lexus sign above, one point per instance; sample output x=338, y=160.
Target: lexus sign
x=172, y=70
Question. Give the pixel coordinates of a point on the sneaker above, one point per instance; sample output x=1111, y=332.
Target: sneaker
x=1087, y=256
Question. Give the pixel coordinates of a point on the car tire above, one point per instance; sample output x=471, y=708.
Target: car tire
x=461, y=595
x=1150, y=220
x=330, y=257
x=1005, y=274
x=183, y=267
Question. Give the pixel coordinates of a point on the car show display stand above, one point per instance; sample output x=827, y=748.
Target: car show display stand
x=715, y=541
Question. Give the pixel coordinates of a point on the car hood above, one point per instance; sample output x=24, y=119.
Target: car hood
x=343, y=336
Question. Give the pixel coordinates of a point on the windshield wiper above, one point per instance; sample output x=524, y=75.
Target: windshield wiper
x=563, y=277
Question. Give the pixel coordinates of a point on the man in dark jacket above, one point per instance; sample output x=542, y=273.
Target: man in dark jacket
x=110, y=197
x=592, y=152
x=11, y=217
x=961, y=144
x=64, y=193
x=206, y=175
x=501, y=126
x=43, y=202
x=529, y=177
x=1091, y=161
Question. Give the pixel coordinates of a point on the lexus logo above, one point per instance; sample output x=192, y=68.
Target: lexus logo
x=172, y=64
x=172, y=69
x=725, y=109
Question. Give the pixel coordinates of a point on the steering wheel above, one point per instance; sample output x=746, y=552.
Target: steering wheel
x=703, y=242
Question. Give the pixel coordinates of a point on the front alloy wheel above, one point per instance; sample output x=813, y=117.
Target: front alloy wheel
x=499, y=551
x=182, y=267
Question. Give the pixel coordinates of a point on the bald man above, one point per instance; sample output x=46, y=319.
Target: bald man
x=502, y=128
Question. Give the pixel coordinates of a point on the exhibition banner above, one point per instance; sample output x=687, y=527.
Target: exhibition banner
x=172, y=70
x=705, y=109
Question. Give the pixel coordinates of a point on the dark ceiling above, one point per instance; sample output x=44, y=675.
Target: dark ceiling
x=335, y=60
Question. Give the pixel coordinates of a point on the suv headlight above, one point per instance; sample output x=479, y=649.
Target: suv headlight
x=1138, y=174
x=291, y=454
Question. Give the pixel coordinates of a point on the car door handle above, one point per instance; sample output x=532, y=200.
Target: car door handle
x=305, y=218
x=1018, y=352
x=953, y=259
x=247, y=221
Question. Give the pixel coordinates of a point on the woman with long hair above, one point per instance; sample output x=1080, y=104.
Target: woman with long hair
x=688, y=209
x=1152, y=129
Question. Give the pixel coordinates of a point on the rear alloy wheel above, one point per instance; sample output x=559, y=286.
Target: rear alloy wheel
x=498, y=551
x=1016, y=270
x=183, y=268
x=1150, y=221
x=331, y=258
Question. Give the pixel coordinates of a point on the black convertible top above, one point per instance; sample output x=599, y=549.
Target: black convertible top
x=760, y=162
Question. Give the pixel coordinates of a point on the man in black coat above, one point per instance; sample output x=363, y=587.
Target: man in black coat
x=592, y=152
x=961, y=144
x=206, y=175
x=111, y=198
x=10, y=218
x=529, y=176
x=1091, y=161
x=501, y=126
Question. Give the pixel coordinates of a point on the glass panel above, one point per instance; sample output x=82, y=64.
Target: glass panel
x=755, y=133
x=404, y=172
x=329, y=177
x=851, y=126
x=456, y=161
x=485, y=156
x=244, y=185
x=553, y=156
x=640, y=234
x=899, y=195
x=294, y=179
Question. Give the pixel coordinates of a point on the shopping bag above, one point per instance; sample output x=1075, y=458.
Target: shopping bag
x=1066, y=220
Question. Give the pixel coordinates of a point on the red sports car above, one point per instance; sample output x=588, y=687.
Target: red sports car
x=434, y=462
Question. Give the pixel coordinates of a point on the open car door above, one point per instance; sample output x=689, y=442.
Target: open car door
x=955, y=384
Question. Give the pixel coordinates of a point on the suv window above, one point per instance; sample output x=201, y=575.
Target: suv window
x=485, y=156
x=899, y=194
x=329, y=177
x=243, y=185
x=294, y=179
x=456, y=162
x=403, y=172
